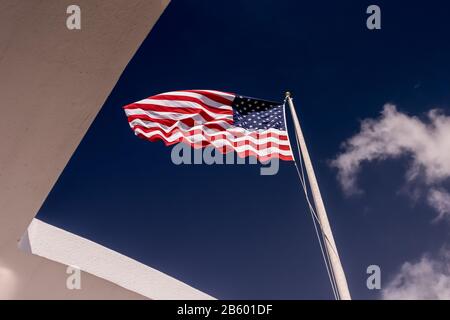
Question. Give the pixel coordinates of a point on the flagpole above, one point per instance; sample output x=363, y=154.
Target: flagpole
x=324, y=225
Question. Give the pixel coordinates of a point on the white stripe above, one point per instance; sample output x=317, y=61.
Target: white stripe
x=174, y=115
x=261, y=148
x=230, y=131
x=200, y=137
x=221, y=122
x=201, y=97
x=264, y=152
x=225, y=95
x=259, y=131
x=183, y=127
x=220, y=143
x=182, y=104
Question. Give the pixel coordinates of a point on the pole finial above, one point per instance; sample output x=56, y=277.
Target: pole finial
x=287, y=94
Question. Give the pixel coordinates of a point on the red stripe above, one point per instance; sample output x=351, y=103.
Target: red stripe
x=192, y=99
x=166, y=122
x=181, y=110
x=209, y=138
x=214, y=126
x=170, y=122
x=222, y=150
x=248, y=153
x=258, y=135
x=210, y=125
x=213, y=96
x=219, y=128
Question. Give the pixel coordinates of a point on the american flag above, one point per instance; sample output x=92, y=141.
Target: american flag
x=200, y=118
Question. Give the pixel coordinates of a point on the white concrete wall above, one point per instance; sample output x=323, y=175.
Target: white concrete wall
x=52, y=84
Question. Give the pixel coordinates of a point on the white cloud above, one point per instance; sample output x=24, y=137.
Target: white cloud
x=425, y=279
x=395, y=134
x=426, y=143
x=439, y=199
x=8, y=282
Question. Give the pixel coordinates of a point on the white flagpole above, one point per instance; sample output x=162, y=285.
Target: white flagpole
x=324, y=225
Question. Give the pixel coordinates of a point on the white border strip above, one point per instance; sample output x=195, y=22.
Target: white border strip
x=45, y=240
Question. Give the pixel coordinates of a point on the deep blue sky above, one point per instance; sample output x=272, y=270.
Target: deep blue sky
x=227, y=230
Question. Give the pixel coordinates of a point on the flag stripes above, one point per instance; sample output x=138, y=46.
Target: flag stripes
x=203, y=118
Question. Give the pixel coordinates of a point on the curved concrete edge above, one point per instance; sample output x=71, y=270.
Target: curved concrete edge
x=53, y=243
x=53, y=83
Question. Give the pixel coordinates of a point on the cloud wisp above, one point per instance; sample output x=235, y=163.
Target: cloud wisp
x=426, y=144
x=439, y=199
x=427, y=278
x=393, y=135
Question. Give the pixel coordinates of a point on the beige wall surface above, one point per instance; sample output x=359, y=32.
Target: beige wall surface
x=53, y=81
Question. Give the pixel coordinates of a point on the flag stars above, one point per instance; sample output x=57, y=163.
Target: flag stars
x=253, y=114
